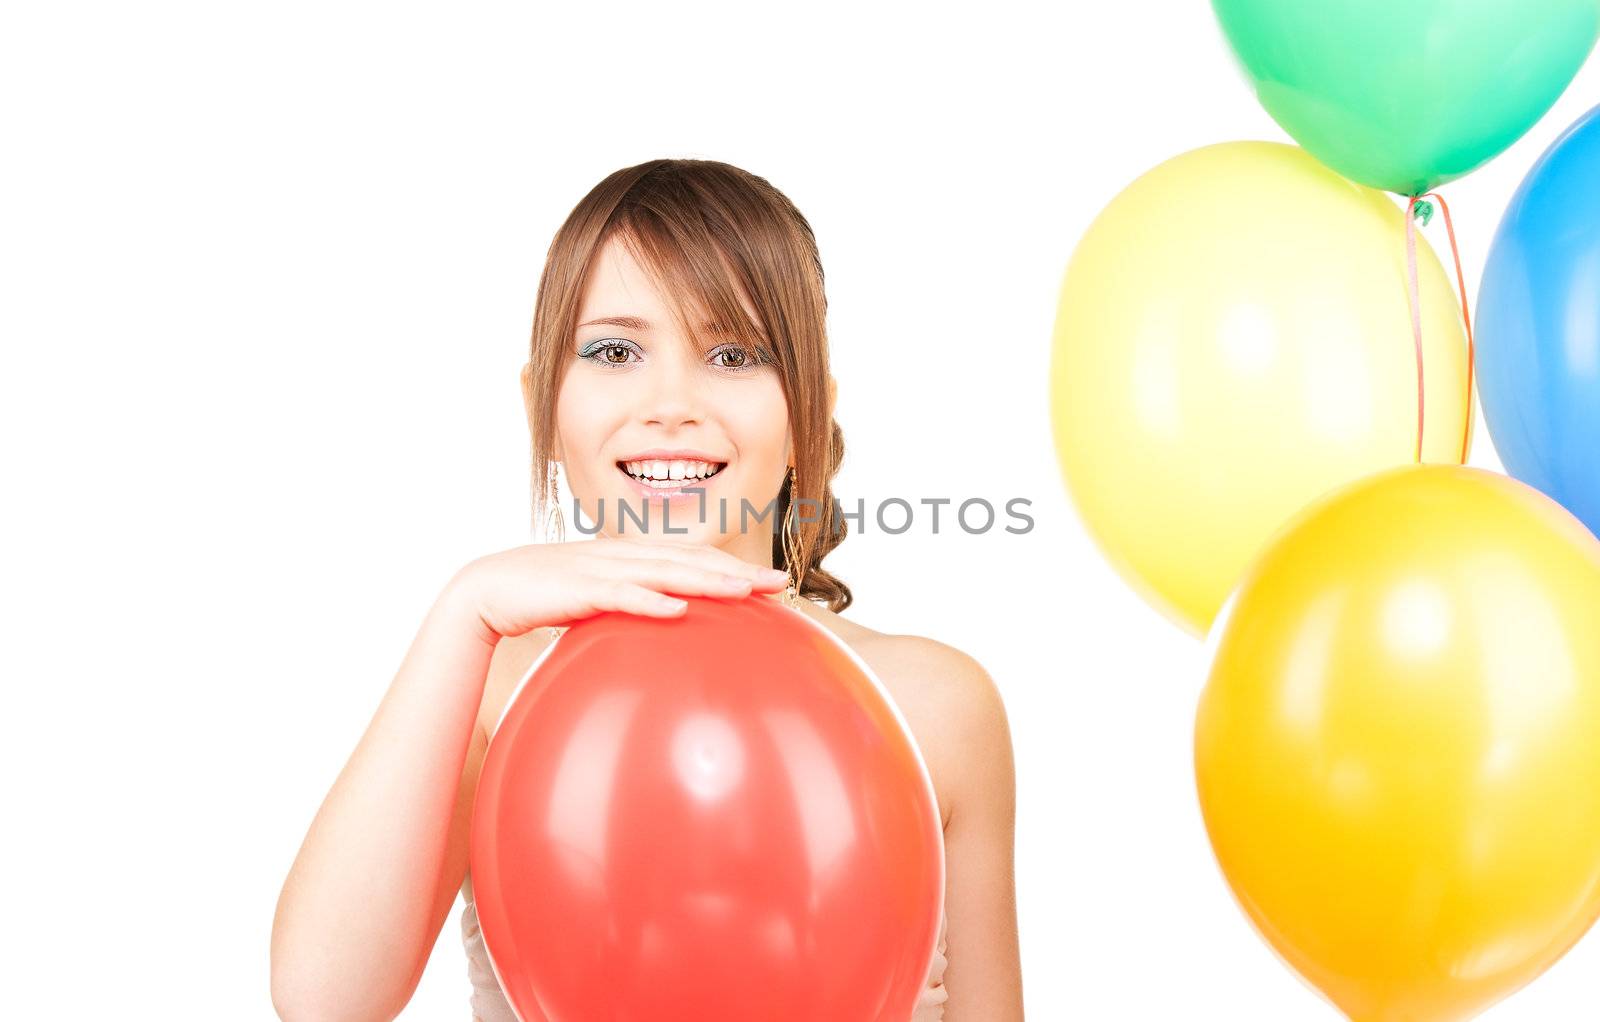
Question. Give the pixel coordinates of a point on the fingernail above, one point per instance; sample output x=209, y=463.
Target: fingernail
x=774, y=575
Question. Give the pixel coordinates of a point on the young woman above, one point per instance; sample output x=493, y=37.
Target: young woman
x=678, y=342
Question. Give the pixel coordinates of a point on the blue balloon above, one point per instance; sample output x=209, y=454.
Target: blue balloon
x=1538, y=330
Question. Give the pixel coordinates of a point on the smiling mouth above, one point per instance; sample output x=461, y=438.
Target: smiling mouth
x=671, y=475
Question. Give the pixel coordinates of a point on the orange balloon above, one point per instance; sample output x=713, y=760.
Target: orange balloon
x=716, y=816
x=1397, y=752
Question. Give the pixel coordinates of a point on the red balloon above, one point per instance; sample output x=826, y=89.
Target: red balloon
x=717, y=816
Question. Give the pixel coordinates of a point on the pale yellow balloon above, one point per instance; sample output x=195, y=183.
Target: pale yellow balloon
x=1233, y=339
x=1397, y=752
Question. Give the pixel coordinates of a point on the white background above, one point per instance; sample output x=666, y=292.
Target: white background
x=268, y=279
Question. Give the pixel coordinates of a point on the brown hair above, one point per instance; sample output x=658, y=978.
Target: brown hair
x=698, y=226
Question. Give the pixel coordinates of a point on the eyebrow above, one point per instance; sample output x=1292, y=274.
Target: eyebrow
x=625, y=322
x=634, y=323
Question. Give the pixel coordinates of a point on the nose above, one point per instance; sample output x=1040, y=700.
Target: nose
x=673, y=396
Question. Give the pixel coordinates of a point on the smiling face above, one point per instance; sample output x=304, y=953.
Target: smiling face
x=645, y=418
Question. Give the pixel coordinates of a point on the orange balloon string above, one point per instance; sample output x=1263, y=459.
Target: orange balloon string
x=1413, y=294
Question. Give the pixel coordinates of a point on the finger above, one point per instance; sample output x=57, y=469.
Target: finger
x=636, y=599
x=763, y=578
x=677, y=577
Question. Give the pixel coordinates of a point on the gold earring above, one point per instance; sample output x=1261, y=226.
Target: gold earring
x=791, y=551
x=555, y=525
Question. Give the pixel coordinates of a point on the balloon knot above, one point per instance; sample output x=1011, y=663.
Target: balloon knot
x=1423, y=211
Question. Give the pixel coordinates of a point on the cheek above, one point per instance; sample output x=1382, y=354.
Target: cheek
x=759, y=416
x=580, y=413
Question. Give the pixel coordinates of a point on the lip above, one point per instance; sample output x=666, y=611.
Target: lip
x=663, y=454
x=688, y=491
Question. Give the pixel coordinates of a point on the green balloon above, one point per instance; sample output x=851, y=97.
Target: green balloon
x=1404, y=95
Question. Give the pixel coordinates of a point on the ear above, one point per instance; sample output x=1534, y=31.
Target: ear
x=527, y=405
x=833, y=394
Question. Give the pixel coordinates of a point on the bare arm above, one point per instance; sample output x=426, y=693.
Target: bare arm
x=355, y=919
x=984, y=976
x=379, y=868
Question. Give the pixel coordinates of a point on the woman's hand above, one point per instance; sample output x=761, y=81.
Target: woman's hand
x=528, y=587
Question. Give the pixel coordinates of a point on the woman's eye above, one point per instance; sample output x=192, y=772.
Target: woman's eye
x=608, y=352
x=733, y=357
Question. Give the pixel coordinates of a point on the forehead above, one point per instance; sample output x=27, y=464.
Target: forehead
x=618, y=284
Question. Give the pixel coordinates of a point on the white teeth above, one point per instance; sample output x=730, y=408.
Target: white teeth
x=679, y=469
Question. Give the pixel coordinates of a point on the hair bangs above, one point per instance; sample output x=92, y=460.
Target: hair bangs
x=696, y=275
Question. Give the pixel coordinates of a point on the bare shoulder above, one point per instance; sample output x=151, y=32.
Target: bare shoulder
x=951, y=703
x=929, y=670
